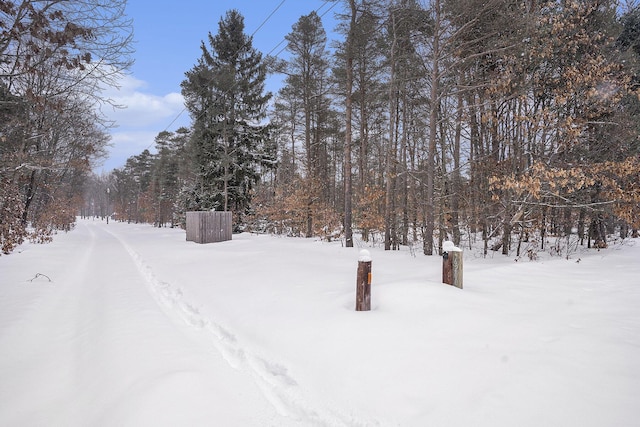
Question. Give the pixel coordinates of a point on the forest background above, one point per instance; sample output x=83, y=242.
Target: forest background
x=502, y=121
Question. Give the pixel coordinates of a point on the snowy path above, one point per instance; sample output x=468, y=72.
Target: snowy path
x=140, y=328
x=273, y=379
x=93, y=347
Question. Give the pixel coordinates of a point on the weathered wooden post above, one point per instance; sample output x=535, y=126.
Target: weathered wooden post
x=451, y=264
x=363, y=282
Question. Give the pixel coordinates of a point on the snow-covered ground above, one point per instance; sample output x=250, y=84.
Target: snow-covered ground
x=131, y=325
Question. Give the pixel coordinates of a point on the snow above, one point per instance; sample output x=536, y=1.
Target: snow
x=449, y=246
x=131, y=325
x=364, y=256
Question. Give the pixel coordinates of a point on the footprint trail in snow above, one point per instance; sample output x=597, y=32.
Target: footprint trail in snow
x=273, y=379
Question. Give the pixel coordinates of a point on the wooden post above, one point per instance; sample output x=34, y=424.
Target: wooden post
x=363, y=282
x=451, y=265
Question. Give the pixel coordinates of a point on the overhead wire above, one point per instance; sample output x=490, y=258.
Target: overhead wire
x=268, y=54
x=252, y=34
x=333, y=4
x=267, y=18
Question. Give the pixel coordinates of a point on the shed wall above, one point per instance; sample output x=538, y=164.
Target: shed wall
x=209, y=226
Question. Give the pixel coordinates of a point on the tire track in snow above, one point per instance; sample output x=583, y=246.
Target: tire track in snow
x=272, y=378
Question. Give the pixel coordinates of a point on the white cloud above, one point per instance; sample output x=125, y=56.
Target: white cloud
x=142, y=109
x=136, y=142
x=124, y=145
x=145, y=115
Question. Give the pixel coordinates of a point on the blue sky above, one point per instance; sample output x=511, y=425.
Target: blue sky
x=168, y=35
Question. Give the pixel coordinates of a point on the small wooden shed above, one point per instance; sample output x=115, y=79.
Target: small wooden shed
x=209, y=226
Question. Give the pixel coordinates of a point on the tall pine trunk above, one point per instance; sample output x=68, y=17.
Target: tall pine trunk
x=389, y=197
x=348, y=194
x=433, y=122
x=456, y=186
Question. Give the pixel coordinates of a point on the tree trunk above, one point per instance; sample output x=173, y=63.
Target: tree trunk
x=348, y=195
x=581, y=220
x=31, y=190
x=597, y=230
x=456, y=186
x=433, y=122
x=309, y=219
x=389, y=208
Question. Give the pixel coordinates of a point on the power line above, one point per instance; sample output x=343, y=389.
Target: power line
x=274, y=48
x=333, y=4
x=268, y=17
x=253, y=34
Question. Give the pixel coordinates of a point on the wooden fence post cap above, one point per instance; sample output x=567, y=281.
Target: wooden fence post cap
x=364, y=256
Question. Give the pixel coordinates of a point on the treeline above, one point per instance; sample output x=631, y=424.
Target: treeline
x=507, y=120
x=55, y=58
x=149, y=188
x=450, y=119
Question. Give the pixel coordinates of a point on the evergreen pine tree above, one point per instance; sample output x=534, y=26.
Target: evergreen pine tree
x=225, y=95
